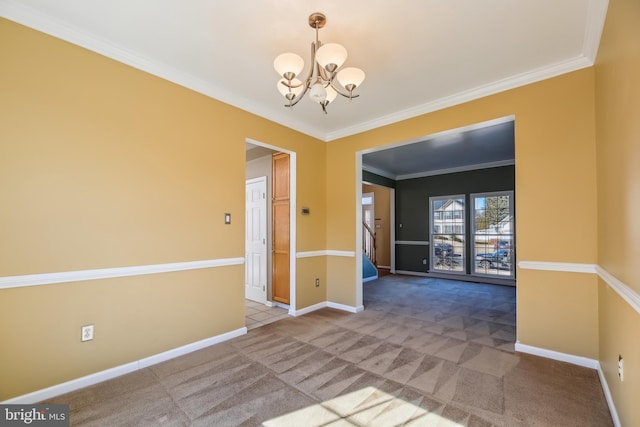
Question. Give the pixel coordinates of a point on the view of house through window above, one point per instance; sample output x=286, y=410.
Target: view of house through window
x=447, y=234
x=492, y=231
x=491, y=237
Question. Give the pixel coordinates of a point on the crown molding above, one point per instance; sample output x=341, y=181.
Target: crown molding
x=596, y=17
x=379, y=172
x=31, y=18
x=543, y=73
x=24, y=15
x=457, y=169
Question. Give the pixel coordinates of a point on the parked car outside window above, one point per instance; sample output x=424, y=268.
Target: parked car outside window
x=499, y=258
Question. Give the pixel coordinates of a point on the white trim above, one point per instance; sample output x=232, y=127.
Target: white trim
x=580, y=361
x=607, y=394
x=370, y=279
x=293, y=179
x=293, y=227
x=412, y=273
x=625, y=292
x=98, y=377
x=456, y=169
x=628, y=294
x=341, y=253
x=27, y=16
x=309, y=309
x=379, y=172
x=392, y=231
x=358, y=244
x=108, y=273
x=327, y=304
x=412, y=242
x=558, y=266
x=577, y=63
x=556, y=355
x=311, y=254
x=343, y=307
x=596, y=16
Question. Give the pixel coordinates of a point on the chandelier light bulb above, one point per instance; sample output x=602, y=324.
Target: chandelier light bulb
x=293, y=92
x=350, y=78
x=320, y=82
x=317, y=93
x=331, y=94
x=331, y=56
x=288, y=65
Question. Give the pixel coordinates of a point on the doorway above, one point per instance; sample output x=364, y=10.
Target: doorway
x=259, y=164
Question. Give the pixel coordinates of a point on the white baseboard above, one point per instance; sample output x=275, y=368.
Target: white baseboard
x=412, y=273
x=556, y=355
x=607, y=395
x=349, y=308
x=98, y=377
x=580, y=361
x=309, y=309
x=328, y=304
x=370, y=279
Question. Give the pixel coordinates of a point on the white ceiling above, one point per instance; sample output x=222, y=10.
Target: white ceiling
x=419, y=55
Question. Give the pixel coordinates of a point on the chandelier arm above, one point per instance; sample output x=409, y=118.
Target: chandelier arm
x=316, y=75
x=323, y=74
x=299, y=97
x=290, y=86
x=346, y=95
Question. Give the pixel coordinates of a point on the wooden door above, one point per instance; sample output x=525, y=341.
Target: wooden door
x=280, y=217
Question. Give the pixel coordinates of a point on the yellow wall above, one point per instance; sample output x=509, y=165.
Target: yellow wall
x=101, y=166
x=556, y=197
x=617, y=86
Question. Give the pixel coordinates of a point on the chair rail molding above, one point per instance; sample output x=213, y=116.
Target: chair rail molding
x=108, y=273
x=624, y=291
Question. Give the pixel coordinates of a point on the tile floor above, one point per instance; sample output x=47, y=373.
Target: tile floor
x=257, y=314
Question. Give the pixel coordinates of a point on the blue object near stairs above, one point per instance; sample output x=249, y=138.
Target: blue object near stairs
x=369, y=271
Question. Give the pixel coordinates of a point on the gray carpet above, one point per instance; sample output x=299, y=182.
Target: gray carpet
x=425, y=352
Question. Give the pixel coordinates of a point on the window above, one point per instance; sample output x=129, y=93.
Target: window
x=447, y=240
x=493, y=230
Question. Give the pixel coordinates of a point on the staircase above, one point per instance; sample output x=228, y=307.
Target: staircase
x=369, y=269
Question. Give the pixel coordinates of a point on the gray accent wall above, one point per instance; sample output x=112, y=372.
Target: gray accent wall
x=412, y=208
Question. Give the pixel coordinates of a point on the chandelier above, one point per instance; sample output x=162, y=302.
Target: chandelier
x=326, y=59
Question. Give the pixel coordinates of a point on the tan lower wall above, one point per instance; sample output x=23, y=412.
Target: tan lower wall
x=558, y=311
x=619, y=327
x=134, y=317
x=341, y=278
x=307, y=270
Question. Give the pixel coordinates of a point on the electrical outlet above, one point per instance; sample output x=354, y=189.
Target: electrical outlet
x=620, y=367
x=86, y=333
x=424, y=261
x=317, y=282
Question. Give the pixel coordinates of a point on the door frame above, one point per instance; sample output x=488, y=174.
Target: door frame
x=292, y=220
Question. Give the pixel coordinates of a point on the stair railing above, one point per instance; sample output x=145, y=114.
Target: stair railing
x=369, y=242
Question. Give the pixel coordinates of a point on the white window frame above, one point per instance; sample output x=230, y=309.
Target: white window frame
x=432, y=234
x=472, y=236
